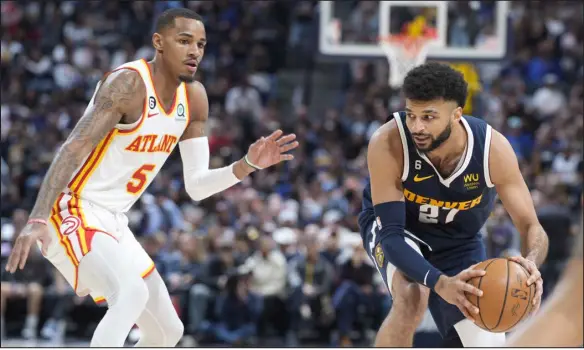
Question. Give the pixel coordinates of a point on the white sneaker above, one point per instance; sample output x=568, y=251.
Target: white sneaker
x=28, y=333
x=188, y=341
x=134, y=335
x=54, y=330
x=49, y=329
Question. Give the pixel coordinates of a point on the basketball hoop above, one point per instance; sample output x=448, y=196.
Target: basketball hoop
x=403, y=53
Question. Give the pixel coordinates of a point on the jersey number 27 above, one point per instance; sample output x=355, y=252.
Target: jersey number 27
x=431, y=214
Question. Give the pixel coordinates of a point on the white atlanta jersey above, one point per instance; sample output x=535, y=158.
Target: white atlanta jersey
x=123, y=164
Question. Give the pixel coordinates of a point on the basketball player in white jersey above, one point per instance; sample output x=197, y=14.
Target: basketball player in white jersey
x=138, y=114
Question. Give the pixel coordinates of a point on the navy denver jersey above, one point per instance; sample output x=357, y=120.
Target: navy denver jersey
x=447, y=212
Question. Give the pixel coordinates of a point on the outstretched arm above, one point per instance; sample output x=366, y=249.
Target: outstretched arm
x=202, y=182
x=196, y=135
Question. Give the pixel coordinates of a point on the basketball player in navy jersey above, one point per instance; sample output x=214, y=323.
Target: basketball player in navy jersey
x=434, y=177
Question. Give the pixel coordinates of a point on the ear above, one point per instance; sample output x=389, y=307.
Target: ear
x=457, y=113
x=157, y=42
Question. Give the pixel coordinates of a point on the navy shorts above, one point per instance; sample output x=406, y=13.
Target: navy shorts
x=450, y=262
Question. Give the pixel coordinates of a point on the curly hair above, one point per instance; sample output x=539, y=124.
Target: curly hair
x=432, y=80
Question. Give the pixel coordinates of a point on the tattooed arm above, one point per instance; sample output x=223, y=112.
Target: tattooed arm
x=121, y=95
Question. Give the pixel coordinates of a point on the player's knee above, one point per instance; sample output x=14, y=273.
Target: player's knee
x=35, y=290
x=414, y=302
x=174, y=332
x=165, y=331
x=139, y=290
x=6, y=289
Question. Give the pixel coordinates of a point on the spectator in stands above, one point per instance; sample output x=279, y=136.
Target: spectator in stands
x=501, y=235
x=172, y=216
x=355, y=291
x=267, y=267
x=244, y=100
x=520, y=140
x=242, y=246
x=28, y=284
x=153, y=245
x=211, y=281
x=238, y=312
x=286, y=239
x=60, y=295
x=310, y=278
x=185, y=267
x=331, y=249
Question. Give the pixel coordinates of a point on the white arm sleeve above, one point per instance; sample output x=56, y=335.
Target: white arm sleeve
x=200, y=181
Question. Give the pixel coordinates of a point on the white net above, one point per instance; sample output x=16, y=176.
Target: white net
x=404, y=53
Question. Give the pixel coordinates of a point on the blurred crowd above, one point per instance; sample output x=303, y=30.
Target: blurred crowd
x=278, y=254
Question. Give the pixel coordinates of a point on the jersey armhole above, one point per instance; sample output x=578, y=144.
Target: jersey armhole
x=131, y=128
x=487, y=148
x=404, y=141
x=125, y=129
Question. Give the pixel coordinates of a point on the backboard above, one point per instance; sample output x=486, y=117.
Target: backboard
x=465, y=30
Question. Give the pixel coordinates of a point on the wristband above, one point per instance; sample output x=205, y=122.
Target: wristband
x=251, y=164
x=37, y=221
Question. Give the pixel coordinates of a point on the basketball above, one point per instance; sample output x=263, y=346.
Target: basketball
x=506, y=297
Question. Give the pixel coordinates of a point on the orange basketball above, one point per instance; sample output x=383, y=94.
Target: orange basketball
x=506, y=297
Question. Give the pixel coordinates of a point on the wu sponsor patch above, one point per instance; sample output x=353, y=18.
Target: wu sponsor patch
x=471, y=181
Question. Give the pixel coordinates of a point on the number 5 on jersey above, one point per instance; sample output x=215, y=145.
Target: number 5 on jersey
x=139, y=179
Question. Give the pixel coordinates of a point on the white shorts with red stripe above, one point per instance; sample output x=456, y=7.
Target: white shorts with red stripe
x=73, y=224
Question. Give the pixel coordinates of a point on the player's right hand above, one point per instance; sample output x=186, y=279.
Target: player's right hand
x=30, y=235
x=452, y=290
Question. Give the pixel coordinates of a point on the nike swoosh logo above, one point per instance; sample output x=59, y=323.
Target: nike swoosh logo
x=150, y=115
x=420, y=179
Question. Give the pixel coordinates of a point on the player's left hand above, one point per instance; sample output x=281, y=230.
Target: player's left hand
x=271, y=150
x=534, y=277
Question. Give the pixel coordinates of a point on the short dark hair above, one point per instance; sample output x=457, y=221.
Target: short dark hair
x=166, y=19
x=433, y=80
